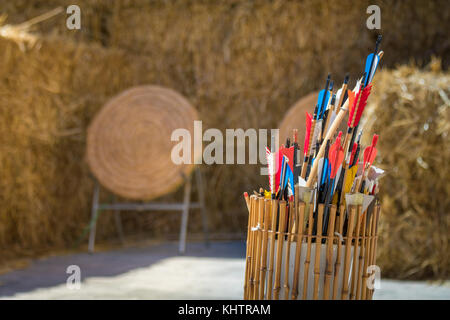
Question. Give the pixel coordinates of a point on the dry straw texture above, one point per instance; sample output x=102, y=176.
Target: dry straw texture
x=411, y=112
x=241, y=64
x=48, y=96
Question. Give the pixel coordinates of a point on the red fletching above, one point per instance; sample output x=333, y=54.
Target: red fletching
x=339, y=137
x=278, y=162
x=362, y=104
x=370, y=152
x=307, y=133
x=352, y=99
x=289, y=154
x=352, y=156
x=336, y=156
x=374, y=140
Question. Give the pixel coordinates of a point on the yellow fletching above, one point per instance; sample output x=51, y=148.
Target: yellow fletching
x=351, y=173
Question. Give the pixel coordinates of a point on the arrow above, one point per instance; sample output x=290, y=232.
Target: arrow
x=296, y=157
x=352, y=156
x=324, y=173
x=372, y=61
x=336, y=157
x=307, y=158
x=330, y=114
x=369, y=156
x=322, y=99
x=359, y=103
x=371, y=152
x=341, y=93
x=307, y=133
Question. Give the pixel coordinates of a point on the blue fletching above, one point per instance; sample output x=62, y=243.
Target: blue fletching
x=290, y=178
x=369, y=75
x=324, y=171
x=328, y=172
x=321, y=109
x=332, y=185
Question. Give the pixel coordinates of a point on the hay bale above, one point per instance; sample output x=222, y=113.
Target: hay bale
x=410, y=109
x=128, y=147
x=49, y=94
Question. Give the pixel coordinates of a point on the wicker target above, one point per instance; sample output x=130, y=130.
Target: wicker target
x=295, y=118
x=129, y=142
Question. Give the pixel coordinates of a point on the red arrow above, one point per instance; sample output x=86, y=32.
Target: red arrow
x=336, y=155
x=307, y=133
x=370, y=152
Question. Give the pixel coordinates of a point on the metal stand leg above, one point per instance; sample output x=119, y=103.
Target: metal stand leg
x=118, y=221
x=201, y=196
x=184, y=216
x=94, y=216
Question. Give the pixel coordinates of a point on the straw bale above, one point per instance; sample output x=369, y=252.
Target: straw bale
x=48, y=96
x=410, y=109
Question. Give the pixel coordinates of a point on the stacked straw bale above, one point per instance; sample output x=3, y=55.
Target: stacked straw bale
x=241, y=64
x=410, y=109
x=49, y=94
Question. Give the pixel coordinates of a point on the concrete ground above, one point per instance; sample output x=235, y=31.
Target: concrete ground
x=158, y=272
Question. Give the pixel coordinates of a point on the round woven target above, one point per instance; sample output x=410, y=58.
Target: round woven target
x=129, y=142
x=295, y=118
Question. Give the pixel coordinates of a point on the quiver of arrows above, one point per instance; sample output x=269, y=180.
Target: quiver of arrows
x=286, y=258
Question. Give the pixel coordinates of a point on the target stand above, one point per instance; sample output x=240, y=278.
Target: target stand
x=183, y=208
